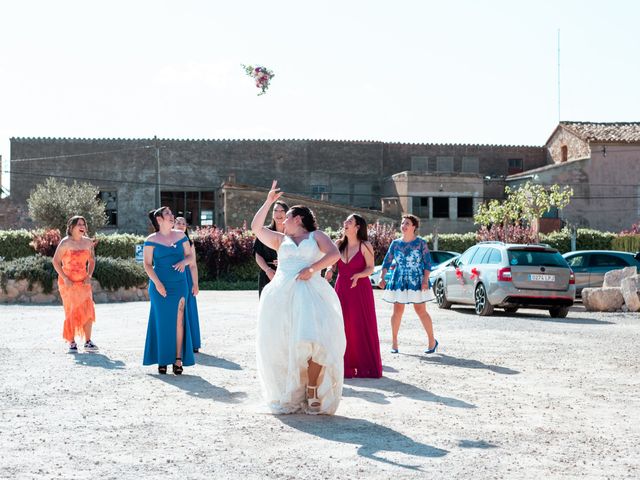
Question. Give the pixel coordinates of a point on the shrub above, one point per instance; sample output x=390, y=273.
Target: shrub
x=15, y=244
x=226, y=285
x=45, y=242
x=381, y=235
x=453, y=242
x=244, y=272
x=34, y=269
x=220, y=249
x=52, y=204
x=586, y=239
x=120, y=245
x=634, y=230
x=113, y=273
x=626, y=243
x=512, y=234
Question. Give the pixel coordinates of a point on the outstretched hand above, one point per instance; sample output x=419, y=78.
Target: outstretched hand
x=275, y=193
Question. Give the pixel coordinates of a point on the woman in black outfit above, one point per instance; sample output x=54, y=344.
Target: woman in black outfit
x=266, y=258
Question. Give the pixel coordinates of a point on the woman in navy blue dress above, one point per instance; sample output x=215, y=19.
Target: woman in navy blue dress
x=166, y=255
x=409, y=281
x=193, y=319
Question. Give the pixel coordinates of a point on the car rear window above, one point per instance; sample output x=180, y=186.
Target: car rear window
x=536, y=257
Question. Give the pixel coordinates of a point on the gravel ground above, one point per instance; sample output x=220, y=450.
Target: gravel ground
x=510, y=396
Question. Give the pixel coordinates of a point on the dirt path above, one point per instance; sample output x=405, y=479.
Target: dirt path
x=514, y=396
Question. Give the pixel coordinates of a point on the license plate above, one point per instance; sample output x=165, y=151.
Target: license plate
x=536, y=277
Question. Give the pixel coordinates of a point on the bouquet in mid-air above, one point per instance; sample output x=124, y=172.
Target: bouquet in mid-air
x=261, y=75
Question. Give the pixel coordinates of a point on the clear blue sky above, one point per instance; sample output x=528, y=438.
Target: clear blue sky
x=410, y=71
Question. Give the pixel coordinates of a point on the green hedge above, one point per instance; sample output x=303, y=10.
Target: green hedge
x=586, y=239
x=225, y=285
x=245, y=272
x=118, y=245
x=626, y=243
x=453, y=242
x=15, y=244
x=35, y=269
x=113, y=273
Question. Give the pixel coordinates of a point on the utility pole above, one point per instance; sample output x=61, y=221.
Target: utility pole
x=559, y=116
x=155, y=139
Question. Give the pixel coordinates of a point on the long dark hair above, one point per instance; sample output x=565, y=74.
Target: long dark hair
x=308, y=218
x=153, y=216
x=272, y=226
x=73, y=221
x=362, y=234
x=186, y=230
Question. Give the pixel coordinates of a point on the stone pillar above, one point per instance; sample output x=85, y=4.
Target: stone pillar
x=453, y=208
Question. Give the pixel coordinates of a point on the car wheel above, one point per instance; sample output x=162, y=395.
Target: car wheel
x=511, y=309
x=558, y=312
x=483, y=306
x=441, y=296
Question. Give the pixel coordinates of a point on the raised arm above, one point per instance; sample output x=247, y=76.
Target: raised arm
x=270, y=238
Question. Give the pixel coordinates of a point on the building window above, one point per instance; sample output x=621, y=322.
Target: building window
x=470, y=164
x=318, y=190
x=564, y=150
x=444, y=164
x=419, y=164
x=440, y=207
x=196, y=207
x=465, y=207
x=515, y=166
x=110, y=200
x=421, y=207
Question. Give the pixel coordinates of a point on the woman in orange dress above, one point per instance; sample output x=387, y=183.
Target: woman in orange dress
x=74, y=261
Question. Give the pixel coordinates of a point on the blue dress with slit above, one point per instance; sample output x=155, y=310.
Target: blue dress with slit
x=160, y=347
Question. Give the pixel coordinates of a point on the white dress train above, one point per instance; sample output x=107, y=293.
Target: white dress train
x=299, y=320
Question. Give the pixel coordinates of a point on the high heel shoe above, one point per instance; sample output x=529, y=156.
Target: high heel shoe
x=432, y=350
x=162, y=369
x=177, y=369
x=313, y=402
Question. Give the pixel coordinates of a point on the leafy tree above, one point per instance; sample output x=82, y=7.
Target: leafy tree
x=52, y=203
x=522, y=207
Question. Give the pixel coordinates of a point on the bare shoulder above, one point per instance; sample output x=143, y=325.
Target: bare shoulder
x=151, y=238
x=368, y=246
x=319, y=234
x=177, y=235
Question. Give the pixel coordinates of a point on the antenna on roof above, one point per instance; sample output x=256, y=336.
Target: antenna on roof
x=559, y=117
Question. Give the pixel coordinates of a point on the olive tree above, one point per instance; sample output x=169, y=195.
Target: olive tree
x=53, y=202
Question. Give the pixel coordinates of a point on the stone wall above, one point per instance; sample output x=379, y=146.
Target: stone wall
x=242, y=203
x=577, y=148
x=17, y=291
x=350, y=172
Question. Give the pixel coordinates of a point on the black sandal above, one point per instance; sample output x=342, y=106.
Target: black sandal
x=177, y=369
x=162, y=369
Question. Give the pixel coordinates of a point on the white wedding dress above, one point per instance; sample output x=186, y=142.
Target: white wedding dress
x=299, y=320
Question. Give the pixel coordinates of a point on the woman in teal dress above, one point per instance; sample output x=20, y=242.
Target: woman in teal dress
x=193, y=319
x=166, y=254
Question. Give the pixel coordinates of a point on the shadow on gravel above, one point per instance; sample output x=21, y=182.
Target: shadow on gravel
x=197, y=386
x=370, y=438
x=98, y=360
x=541, y=317
x=465, y=363
x=386, y=368
x=475, y=444
x=213, y=361
x=396, y=388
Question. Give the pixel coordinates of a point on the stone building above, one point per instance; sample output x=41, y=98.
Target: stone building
x=440, y=183
x=601, y=162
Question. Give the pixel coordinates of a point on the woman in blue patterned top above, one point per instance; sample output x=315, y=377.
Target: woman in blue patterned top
x=409, y=281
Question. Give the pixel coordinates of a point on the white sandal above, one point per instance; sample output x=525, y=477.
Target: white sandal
x=313, y=402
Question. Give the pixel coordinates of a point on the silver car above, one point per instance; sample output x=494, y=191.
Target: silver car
x=508, y=276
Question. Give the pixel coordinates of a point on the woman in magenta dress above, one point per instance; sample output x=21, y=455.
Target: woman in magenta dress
x=362, y=357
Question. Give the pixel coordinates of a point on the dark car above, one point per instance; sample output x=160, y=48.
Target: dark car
x=589, y=266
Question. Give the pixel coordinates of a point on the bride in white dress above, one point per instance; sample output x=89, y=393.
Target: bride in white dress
x=300, y=339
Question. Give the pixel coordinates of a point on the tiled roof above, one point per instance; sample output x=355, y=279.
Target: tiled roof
x=617, y=132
